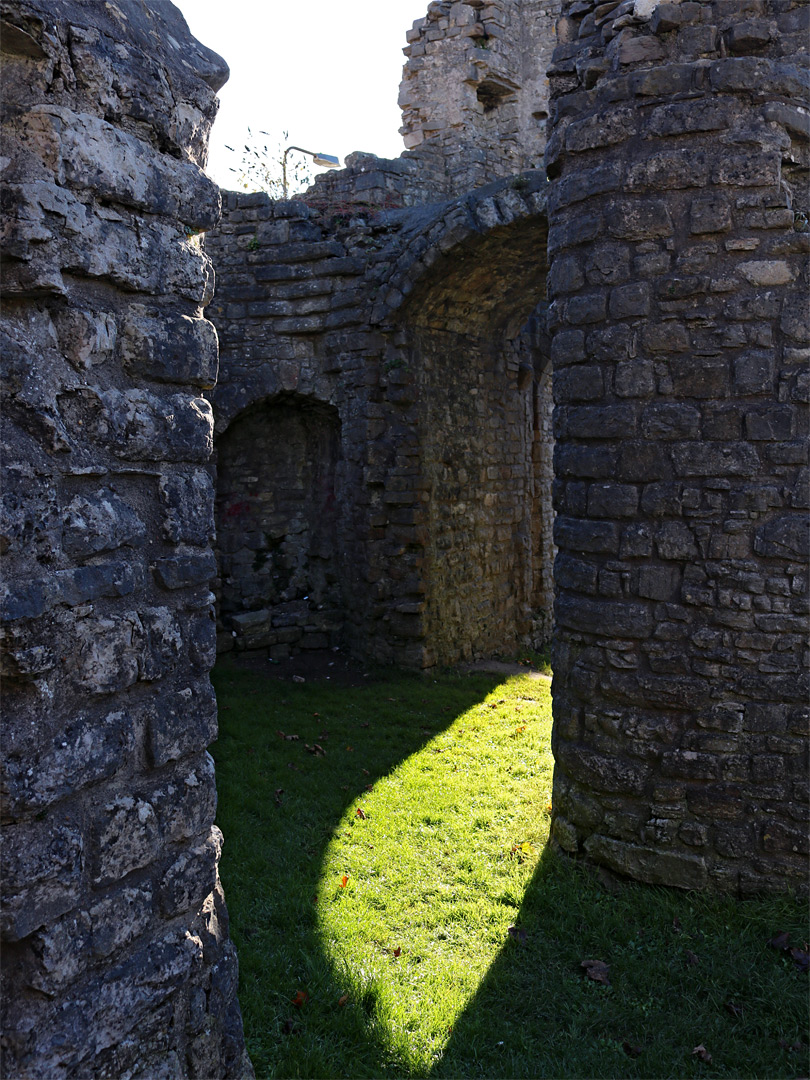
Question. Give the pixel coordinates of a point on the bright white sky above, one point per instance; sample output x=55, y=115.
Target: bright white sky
x=326, y=71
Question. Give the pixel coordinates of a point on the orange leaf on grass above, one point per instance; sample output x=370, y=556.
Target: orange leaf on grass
x=344, y=881
x=342, y=1000
x=396, y=952
x=361, y=814
x=299, y=998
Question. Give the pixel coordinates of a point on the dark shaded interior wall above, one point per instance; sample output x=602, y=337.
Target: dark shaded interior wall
x=476, y=462
x=473, y=356
x=279, y=535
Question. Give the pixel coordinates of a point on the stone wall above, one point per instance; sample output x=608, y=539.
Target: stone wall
x=116, y=958
x=474, y=95
x=278, y=528
x=377, y=319
x=474, y=100
x=678, y=240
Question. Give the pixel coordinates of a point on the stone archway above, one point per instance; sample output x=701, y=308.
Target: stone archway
x=278, y=527
x=466, y=313
x=426, y=349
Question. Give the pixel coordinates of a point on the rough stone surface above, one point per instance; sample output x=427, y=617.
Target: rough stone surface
x=113, y=919
x=680, y=662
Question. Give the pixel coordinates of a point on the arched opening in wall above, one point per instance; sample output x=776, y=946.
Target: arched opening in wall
x=473, y=327
x=278, y=529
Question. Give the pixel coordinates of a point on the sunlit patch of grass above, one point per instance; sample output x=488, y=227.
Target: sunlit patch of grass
x=437, y=866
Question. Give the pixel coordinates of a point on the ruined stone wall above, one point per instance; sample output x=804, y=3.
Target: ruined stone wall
x=678, y=240
x=474, y=98
x=543, y=551
x=378, y=319
x=474, y=95
x=295, y=342
x=116, y=957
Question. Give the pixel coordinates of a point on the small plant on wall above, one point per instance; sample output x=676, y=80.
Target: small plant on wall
x=260, y=164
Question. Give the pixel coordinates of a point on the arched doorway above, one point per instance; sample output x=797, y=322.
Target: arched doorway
x=278, y=528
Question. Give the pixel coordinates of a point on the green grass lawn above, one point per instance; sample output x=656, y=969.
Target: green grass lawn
x=375, y=864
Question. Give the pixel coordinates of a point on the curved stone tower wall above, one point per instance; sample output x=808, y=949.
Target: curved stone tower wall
x=678, y=240
x=116, y=957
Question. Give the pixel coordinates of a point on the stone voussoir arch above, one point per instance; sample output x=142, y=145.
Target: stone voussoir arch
x=438, y=239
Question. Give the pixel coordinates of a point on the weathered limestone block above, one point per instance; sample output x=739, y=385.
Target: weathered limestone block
x=115, y=949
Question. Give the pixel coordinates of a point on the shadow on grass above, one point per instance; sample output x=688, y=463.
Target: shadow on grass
x=686, y=970
x=279, y=806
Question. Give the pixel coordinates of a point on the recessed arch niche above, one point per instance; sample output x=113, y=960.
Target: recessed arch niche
x=278, y=528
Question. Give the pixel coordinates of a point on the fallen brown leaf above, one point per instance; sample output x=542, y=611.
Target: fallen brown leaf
x=597, y=970
x=801, y=959
x=517, y=933
x=780, y=941
x=360, y=814
x=692, y=959
x=631, y=1051
x=790, y=1047
x=279, y=793
x=342, y=1000
x=396, y=952
x=289, y=1027
x=344, y=881
x=702, y=1054
x=300, y=997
